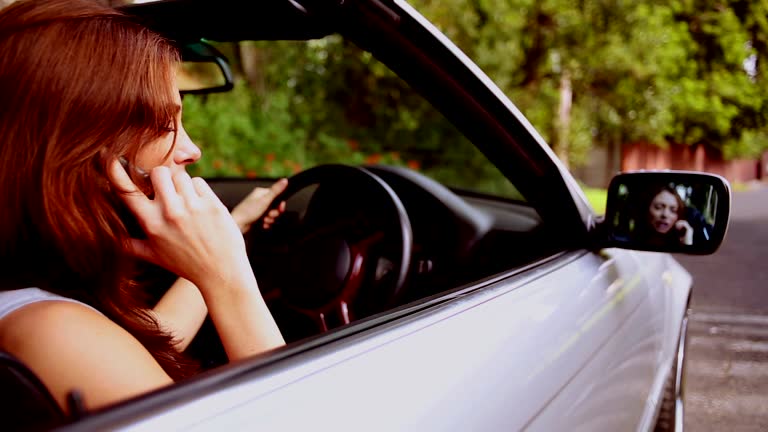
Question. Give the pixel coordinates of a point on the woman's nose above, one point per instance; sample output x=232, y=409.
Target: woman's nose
x=186, y=152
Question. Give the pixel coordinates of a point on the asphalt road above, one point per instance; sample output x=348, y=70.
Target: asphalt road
x=726, y=387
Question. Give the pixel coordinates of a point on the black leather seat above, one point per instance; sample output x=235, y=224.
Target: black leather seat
x=25, y=403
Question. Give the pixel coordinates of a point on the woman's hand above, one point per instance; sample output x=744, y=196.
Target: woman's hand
x=256, y=203
x=189, y=231
x=685, y=231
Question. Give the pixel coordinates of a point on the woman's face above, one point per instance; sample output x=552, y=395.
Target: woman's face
x=663, y=211
x=156, y=153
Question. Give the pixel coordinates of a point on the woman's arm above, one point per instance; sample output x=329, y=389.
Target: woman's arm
x=243, y=322
x=182, y=310
x=191, y=233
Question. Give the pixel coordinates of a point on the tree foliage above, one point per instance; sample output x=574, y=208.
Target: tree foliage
x=681, y=71
x=686, y=71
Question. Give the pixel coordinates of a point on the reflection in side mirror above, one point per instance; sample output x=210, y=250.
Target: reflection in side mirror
x=203, y=69
x=668, y=211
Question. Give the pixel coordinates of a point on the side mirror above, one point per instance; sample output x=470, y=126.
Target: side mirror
x=667, y=211
x=203, y=70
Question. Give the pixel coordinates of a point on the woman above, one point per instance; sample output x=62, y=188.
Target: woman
x=664, y=221
x=84, y=87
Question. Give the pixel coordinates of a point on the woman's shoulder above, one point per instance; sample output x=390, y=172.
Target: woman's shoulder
x=13, y=300
x=32, y=314
x=71, y=345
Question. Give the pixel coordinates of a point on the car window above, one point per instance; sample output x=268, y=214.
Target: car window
x=297, y=104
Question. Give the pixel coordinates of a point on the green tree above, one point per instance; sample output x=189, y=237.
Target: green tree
x=654, y=71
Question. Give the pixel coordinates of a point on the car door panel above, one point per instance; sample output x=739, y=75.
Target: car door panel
x=630, y=370
x=609, y=394
x=607, y=329
x=497, y=358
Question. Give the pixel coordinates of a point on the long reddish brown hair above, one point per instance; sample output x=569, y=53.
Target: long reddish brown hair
x=80, y=84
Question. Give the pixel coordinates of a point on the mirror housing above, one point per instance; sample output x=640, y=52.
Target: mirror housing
x=203, y=70
x=666, y=211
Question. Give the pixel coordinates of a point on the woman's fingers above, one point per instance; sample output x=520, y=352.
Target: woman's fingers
x=203, y=189
x=686, y=232
x=273, y=214
x=185, y=187
x=278, y=187
x=256, y=204
x=165, y=191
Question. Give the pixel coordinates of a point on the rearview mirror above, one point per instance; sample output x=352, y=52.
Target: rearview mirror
x=667, y=211
x=203, y=69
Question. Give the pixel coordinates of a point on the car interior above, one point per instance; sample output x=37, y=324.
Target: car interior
x=368, y=239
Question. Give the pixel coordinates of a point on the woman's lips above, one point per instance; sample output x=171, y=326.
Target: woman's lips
x=663, y=226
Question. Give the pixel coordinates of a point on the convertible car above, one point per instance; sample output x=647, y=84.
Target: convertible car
x=416, y=300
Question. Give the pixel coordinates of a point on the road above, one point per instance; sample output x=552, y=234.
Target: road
x=727, y=363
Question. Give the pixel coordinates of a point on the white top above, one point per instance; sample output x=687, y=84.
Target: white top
x=16, y=299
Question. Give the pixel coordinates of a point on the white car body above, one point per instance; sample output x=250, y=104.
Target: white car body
x=578, y=345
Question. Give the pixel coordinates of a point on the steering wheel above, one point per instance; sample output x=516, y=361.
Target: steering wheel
x=342, y=249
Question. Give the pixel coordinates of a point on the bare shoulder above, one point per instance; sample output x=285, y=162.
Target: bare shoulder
x=47, y=319
x=71, y=346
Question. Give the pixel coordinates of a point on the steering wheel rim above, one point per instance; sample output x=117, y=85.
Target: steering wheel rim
x=327, y=304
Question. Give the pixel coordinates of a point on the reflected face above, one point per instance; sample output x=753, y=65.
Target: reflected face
x=663, y=211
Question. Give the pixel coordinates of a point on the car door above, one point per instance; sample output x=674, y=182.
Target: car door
x=539, y=349
x=620, y=331
x=562, y=342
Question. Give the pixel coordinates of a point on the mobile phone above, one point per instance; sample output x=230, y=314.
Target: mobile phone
x=139, y=176
x=128, y=167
